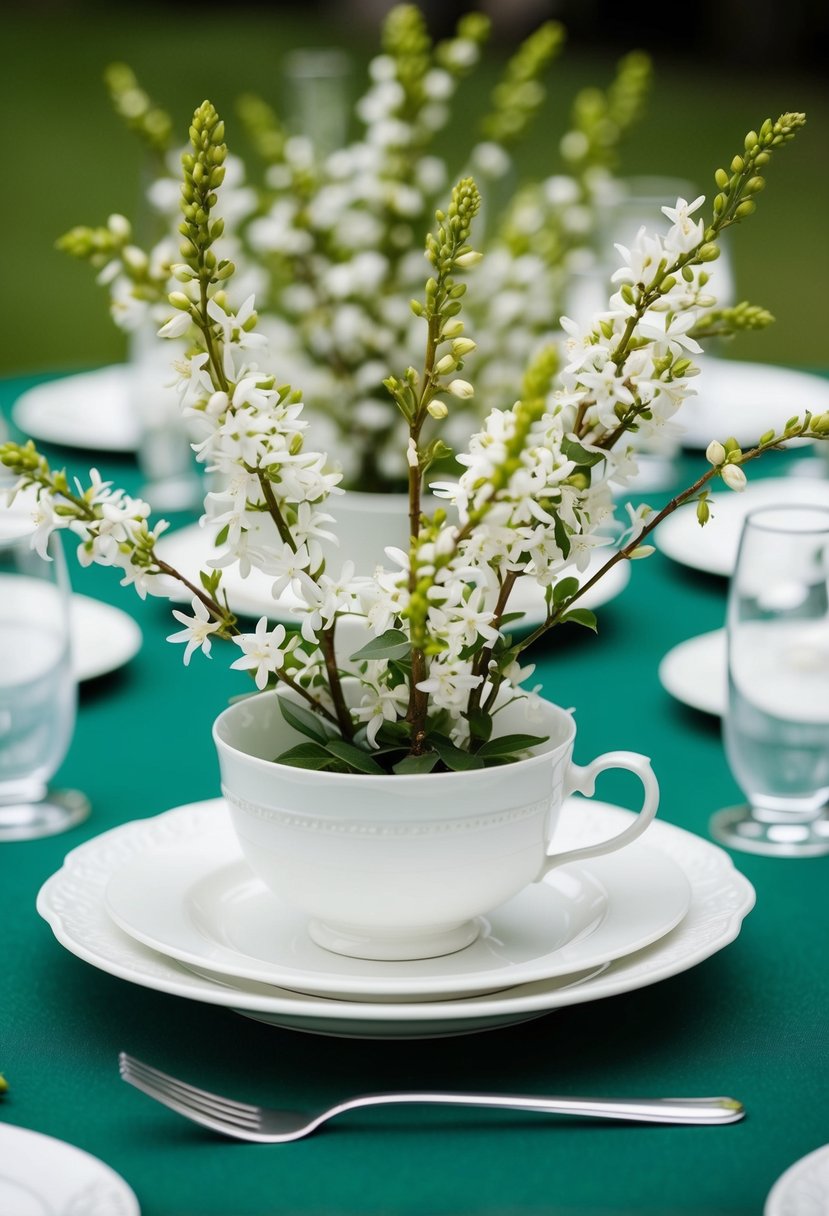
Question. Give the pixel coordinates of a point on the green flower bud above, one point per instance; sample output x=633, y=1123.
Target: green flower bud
x=437, y=409
x=180, y=301
x=721, y=178
x=703, y=512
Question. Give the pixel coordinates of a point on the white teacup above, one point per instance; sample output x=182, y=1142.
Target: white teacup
x=400, y=867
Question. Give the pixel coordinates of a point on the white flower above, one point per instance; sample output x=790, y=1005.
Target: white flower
x=261, y=650
x=733, y=476
x=685, y=234
x=380, y=704
x=197, y=630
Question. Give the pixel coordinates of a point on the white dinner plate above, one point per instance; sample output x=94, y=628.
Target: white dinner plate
x=103, y=637
x=198, y=901
x=190, y=548
x=743, y=400
x=91, y=410
x=713, y=548
x=695, y=672
x=73, y=902
x=42, y=1176
x=804, y=1188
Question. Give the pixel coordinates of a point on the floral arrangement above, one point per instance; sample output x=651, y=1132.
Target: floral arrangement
x=533, y=499
x=331, y=244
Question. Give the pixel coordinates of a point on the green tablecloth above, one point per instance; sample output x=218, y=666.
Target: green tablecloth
x=750, y=1022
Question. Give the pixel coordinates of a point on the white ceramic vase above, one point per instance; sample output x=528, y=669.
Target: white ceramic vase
x=401, y=867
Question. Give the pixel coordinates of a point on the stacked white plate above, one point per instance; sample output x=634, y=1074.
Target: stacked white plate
x=168, y=903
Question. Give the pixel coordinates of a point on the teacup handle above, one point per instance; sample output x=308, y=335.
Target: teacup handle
x=583, y=779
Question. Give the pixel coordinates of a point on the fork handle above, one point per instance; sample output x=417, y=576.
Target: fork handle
x=698, y=1111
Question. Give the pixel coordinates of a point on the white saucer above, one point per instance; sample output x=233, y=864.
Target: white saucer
x=189, y=549
x=695, y=672
x=804, y=1188
x=72, y=901
x=103, y=637
x=714, y=547
x=198, y=901
x=746, y=399
x=40, y=1175
x=91, y=410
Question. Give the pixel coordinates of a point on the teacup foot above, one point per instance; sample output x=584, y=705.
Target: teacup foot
x=393, y=946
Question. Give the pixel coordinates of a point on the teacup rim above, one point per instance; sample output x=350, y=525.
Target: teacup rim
x=537, y=757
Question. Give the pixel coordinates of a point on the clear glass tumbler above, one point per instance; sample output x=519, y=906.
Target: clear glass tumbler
x=776, y=725
x=38, y=690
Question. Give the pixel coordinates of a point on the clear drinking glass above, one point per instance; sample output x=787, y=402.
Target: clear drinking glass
x=776, y=726
x=37, y=685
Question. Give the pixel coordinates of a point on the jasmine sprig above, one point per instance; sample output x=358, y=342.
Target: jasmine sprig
x=448, y=251
x=601, y=118
x=520, y=93
x=727, y=461
x=141, y=115
x=726, y=322
x=734, y=203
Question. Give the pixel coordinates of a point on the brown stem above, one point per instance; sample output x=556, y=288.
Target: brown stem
x=313, y=701
x=481, y=664
x=274, y=511
x=326, y=637
x=210, y=604
x=623, y=553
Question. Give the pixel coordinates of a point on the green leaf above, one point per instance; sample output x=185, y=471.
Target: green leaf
x=564, y=589
x=308, y=755
x=305, y=721
x=480, y=724
x=506, y=744
x=455, y=759
x=354, y=757
x=582, y=616
x=393, y=644
x=417, y=764
x=575, y=452
x=562, y=536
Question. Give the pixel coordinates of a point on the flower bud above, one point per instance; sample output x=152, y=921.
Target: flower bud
x=461, y=389
x=463, y=346
x=445, y=365
x=466, y=260
x=453, y=328
x=437, y=409
x=179, y=300
x=703, y=512
x=733, y=476
x=715, y=452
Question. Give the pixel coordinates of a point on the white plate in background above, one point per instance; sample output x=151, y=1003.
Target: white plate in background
x=803, y=1190
x=90, y=410
x=743, y=400
x=695, y=672
x=713, y=548
x=190, y=548
x=103, y=637
x=40, y=1175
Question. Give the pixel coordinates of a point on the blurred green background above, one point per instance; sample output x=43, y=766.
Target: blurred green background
x=68, y=160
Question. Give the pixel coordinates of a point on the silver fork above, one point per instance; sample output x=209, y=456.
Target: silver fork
x=266, y=1125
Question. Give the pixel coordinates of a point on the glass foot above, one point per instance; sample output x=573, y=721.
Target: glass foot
x=57, y=812
x=737, y=827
